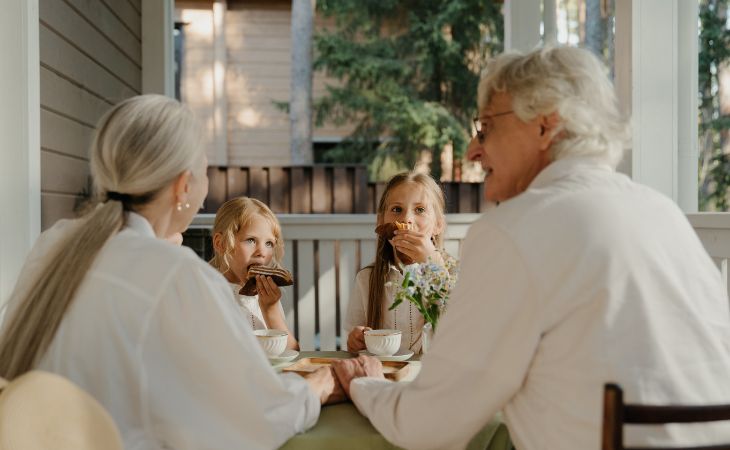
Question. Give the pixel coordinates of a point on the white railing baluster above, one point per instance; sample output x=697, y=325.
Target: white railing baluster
x=306, y=306
x=367, y=252
x=327, y=296
x=713, y=229
x=348, y=267
x=288, y=299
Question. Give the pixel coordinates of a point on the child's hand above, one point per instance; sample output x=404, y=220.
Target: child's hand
x=415, y=245
x=356, y=339
x=269, y=292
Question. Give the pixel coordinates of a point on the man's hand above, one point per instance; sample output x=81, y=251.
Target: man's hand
x=362, y=366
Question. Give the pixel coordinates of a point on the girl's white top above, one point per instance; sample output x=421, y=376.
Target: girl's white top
x=154, y=334
x=251, y=307
x=405, y=317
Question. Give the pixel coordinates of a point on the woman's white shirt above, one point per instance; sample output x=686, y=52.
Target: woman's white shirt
x=405, y=317
x=154, y=334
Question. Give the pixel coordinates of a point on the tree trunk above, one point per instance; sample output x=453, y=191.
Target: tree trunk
x=300, y=104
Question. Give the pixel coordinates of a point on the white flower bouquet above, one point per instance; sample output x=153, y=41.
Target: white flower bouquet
x=427, y=286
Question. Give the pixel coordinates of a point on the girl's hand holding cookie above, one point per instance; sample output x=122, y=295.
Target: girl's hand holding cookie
x=356, y=339
x=269, y=292
x=415, y=245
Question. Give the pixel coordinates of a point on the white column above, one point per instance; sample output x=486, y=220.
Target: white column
x=158, y=56
x=656, y=79
x=688, y=57
x=522, y=24
x=20, y=177
x=549, y=20
x=220, y=103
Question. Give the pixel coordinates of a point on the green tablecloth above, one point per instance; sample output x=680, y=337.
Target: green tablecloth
x=343, y=427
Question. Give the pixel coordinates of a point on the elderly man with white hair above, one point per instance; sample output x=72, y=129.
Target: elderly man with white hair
x=577, y=278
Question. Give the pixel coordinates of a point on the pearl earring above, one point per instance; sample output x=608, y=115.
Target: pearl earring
x=179, y=206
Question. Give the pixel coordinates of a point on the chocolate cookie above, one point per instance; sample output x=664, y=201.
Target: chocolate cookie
x=281, y=277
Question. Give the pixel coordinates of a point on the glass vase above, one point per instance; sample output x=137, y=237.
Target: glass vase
x=426, y=337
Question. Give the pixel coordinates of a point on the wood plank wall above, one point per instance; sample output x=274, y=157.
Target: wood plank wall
x=91, y=58
x=320, y=189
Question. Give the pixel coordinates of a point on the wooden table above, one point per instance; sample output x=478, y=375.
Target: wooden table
x=341, y=426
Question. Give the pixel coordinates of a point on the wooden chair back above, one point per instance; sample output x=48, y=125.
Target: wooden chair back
x=616, y=414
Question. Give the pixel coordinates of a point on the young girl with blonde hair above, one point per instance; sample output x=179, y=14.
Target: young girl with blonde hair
x=247, y=232
x=412, y=198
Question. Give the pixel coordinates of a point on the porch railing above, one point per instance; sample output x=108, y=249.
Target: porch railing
x=713, y=230
x=325, y=252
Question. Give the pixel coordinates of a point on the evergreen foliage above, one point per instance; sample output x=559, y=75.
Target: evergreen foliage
x=714, y=129
x=409, y=72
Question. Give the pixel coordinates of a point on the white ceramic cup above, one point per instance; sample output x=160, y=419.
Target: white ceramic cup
x=272, y=341
x=382, y=342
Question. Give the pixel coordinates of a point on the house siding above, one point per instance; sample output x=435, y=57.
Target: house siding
x=258, y=73
x=90, y=58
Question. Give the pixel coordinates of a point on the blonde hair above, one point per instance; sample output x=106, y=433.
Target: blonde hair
x=385, y=253
x=140, y=146
x=235, y=215
x=568, y=81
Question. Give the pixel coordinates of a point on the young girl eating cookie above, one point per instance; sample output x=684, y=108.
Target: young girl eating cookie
x=411, y=210
x=248, y=248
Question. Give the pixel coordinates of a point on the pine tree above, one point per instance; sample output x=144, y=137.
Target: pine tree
x=409, y=72
x=714, y=132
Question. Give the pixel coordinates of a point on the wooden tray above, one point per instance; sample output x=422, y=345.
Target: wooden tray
x=393, y=370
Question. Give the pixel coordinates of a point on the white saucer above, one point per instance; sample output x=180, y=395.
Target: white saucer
x=287, y=356
x=401, y=355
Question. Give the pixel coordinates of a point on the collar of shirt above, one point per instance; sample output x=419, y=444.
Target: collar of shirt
x=565, y=167
x=138, y=223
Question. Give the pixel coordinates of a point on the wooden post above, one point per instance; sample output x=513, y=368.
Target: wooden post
x=300, y=105
x=158, y=53
x=613, y=418
x=522, y=24
x=220, y=103
x=550, y=19
x=217, y=189
x=687, y=86
x=656, y=80
x=20, y=175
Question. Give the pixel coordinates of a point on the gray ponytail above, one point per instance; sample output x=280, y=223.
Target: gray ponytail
x=140, y=146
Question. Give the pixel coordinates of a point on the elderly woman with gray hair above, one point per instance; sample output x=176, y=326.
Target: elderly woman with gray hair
x=145, y=326
x=579, y=277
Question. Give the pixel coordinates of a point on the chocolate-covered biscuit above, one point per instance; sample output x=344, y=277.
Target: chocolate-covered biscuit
x=281, y=277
